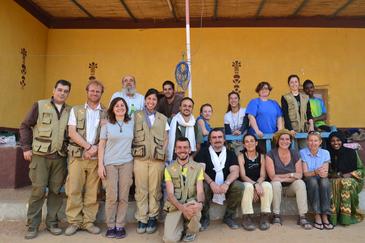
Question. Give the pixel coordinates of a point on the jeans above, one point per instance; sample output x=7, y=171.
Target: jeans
x=319, y=194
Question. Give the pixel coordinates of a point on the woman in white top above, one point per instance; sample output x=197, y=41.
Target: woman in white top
x=235, y=121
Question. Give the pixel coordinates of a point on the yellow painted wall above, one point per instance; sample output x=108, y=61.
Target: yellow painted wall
x=19, y=29
x=331, y=57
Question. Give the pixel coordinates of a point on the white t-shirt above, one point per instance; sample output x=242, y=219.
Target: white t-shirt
x=152, y=119
x=135, y=103
x=92, y=122
x=235, y=120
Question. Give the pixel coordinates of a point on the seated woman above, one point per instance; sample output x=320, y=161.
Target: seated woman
x=253, y=175
x=203, y=120
x=284, y=168
x=296, y=110
x=235, y=121
x=347, y=177
x=315, y=168
x=264, y=114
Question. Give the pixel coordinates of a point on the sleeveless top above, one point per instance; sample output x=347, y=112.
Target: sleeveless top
x=252, y=167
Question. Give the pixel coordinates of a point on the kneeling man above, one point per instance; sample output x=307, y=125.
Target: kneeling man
x=185, y=195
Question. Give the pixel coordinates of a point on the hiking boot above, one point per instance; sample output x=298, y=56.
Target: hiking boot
x=120, y=232
x=151, y=225
x=276, y=219
x=264, y=221
x=93, y=229
x=110, y=232
x=247, y=222
x=54, y=230
x=31, y=233
x=230, y=222
x=188, y=237
x=141, y=227
x=71, y=229
x=204, y=223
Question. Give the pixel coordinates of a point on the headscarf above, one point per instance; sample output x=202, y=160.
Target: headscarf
x=343, y=160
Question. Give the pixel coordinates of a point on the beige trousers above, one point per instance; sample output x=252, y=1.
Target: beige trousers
x=174, y=226
x=148, y=176
x=247, y=198
x=82, y=187
x=297, y=189
x=118, y=181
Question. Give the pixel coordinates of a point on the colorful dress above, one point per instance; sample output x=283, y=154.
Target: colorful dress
x=345, y=191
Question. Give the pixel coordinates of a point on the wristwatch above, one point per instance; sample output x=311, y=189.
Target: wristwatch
x=291, y=175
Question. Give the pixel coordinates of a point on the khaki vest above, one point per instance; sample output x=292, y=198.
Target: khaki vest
x=49, y=133
x=74, y=150
x=298, y=120
x=184, y=192
x=148, y=142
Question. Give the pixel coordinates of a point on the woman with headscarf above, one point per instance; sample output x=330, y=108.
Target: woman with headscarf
x=347, y=173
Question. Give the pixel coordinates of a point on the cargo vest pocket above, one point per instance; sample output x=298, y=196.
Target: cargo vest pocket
x=41, y=146
x=159, y=154
x=45, y=131
x=74, y=151
x=139, y=151
x=158, y=142
x=80, y=124
x=47, y=118
x=139, y=137
x=177, y=193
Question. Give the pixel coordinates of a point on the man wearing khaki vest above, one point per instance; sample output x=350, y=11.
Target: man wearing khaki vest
x=43, y=140
x=83, y=181
x=185, y=195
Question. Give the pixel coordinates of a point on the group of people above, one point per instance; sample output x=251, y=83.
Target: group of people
x=157, y=143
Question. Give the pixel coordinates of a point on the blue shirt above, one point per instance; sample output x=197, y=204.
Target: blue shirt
x=315, y=161
x=266, y=114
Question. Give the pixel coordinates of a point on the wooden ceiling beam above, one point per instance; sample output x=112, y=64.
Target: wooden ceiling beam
x=128, y=11
x=36, y=11
x=260, y=8
x=172, y=9
x=82, y=8
x=301, y=6
x=342, y=8
x=216, y=9
x=126, y=23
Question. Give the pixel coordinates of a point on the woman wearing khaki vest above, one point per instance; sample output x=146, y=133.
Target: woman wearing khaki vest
x=296, y=109
x=149, y=149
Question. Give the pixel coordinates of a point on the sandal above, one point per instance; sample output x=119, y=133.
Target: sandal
x=318, y=225
x=276, y=219
x=329, y=226
x=302, y=221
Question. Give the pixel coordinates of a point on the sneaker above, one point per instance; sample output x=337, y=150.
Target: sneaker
x=247, y=222
x=264, y=222
x=204, y=223
x=31, y=233
x=54, y=230
x=188, y=237
x=110, y=232
x=151, y=225
x=71, y=229
x=230, y=222
x=120, y=232
x=93, y=229
x=141, y=227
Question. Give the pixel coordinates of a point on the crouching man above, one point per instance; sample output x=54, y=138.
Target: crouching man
x=185, y=195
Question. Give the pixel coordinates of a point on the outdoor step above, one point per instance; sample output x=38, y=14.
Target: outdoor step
x=15, y=207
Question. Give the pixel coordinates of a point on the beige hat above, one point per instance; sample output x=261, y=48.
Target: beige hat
x=278, y=134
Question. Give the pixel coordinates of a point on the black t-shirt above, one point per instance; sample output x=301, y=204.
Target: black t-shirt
x=203, y=156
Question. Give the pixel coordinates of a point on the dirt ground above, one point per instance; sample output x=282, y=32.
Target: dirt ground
x=13, y=232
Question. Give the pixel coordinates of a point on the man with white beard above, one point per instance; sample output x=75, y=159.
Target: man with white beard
x=135, y=101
